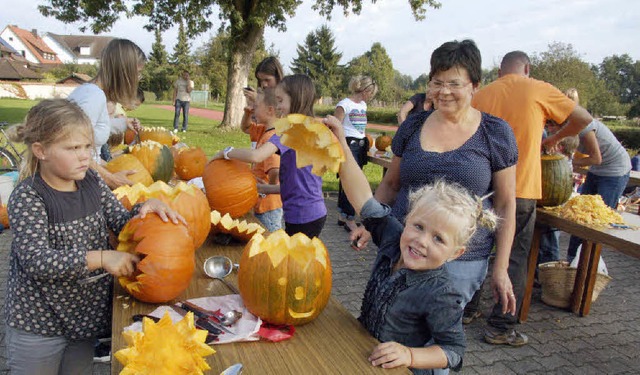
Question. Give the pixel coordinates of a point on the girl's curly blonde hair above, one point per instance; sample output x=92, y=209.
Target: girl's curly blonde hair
x=452, y=202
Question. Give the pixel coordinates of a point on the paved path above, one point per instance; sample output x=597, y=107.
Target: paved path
x=217, y=115
x=605, y=342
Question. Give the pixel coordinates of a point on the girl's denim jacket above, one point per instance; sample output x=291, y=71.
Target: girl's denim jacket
x=414, y=308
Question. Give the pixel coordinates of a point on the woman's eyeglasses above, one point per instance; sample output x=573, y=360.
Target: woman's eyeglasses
x=452, y=86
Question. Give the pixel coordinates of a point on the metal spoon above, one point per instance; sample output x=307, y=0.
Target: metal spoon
x=230, y=317
x=219, y=267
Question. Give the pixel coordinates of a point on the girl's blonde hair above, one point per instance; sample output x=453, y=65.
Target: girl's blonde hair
x=572, y=94
x=46, y=123
x=301, y=91
x=359, y=84
x=118, y=73
x=452, y=202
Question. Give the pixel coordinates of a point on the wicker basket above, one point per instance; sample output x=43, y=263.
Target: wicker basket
x=557, y=280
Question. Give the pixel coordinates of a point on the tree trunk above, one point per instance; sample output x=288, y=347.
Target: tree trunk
x=242, y=51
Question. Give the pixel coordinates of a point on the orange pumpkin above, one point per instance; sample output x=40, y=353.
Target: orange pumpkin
x=156, y=158
x=187, y=200
x=167, y=254
x=314, y=143
x=129, y=162
x=190, y=162
x=370, y=139
x=4, y=216
x=238, y=229
x=285, y=280
x=230, y=186
x=129, y=136
x=382, y=142
x=157, y=134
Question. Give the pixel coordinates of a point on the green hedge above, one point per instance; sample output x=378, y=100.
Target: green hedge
x=628, y=136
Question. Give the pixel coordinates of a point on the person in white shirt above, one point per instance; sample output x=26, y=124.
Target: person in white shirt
x=181, y=99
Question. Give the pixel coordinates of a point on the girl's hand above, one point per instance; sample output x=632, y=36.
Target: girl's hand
x=335, y=126
x=164, y=211
x=134, y=124
x=250, y=95
x=390, y=355
x=119, y=263
x=362, y=236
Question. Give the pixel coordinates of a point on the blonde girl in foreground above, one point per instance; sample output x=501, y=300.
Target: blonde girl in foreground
x=61, y=213
x=409, y=302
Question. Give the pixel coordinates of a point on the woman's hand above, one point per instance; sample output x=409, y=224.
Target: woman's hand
x=162, y=210
x=391, y=354
x=503, y=291
x=119, y=263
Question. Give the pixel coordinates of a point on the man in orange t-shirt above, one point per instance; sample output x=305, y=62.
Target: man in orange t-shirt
x=269, y=207
x=525, y=103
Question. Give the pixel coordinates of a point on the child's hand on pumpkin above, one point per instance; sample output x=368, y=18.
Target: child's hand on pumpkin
x=391, y=354
x=162, y=210
x=119, y=263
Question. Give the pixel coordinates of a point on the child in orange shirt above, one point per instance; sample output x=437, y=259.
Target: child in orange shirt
x=269, y=207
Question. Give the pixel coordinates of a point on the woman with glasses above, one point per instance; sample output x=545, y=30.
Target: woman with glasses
x=459, y=144
x=352, y=113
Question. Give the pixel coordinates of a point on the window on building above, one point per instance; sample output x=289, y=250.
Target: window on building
x=85, y=51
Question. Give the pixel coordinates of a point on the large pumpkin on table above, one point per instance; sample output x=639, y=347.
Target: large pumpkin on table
x=285, y=280
x=187, y=200
x=168, y=259
x=189, y=162
x=156, y=158
x=230, y=186
x=557, y=180
x=157, y=134
x=382, y=142
x=129, y=162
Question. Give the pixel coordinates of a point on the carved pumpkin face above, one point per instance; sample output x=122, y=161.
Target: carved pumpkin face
x=156, y=158
x=285, y=280
x=188, y=200
x=167, y=258
x=230, y=187
x=314, y=143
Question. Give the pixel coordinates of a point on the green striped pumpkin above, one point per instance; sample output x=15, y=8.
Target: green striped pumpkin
x=557, y=180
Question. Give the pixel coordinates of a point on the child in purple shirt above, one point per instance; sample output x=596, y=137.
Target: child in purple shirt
x=300, y=190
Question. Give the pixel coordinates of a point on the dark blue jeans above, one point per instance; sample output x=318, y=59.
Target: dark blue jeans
x=610, y=188
x=359, y=148
x=518, y=259
x=549, y=245
x=185, y=114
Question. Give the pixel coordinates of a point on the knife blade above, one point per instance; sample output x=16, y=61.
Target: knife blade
x=204, y=314
x=200, y=324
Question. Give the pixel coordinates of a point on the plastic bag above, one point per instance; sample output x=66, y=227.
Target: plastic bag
x=602, y=267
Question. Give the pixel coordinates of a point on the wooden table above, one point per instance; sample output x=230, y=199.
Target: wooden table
x=334, y=343
x=626, y=241
x=380, y=160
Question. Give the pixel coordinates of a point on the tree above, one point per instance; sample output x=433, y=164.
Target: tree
x=181, y=58
x=377, y=64
x=421, y=82
x=621, y=76
x=319, y=59
x=562, y=66
x=244, y=20
x=156, y=76
x=489, y=76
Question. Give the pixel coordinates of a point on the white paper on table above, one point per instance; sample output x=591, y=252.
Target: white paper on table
x=245, y=329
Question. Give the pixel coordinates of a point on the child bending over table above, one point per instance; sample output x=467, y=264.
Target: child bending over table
x=61, y=213
x=409, y=303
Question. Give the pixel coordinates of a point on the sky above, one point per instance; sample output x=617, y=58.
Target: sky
x=595, y=28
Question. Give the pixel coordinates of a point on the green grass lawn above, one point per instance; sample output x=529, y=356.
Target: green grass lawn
x=202, y=132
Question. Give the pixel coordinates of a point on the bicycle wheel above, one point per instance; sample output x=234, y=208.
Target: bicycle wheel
x=8, y=162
